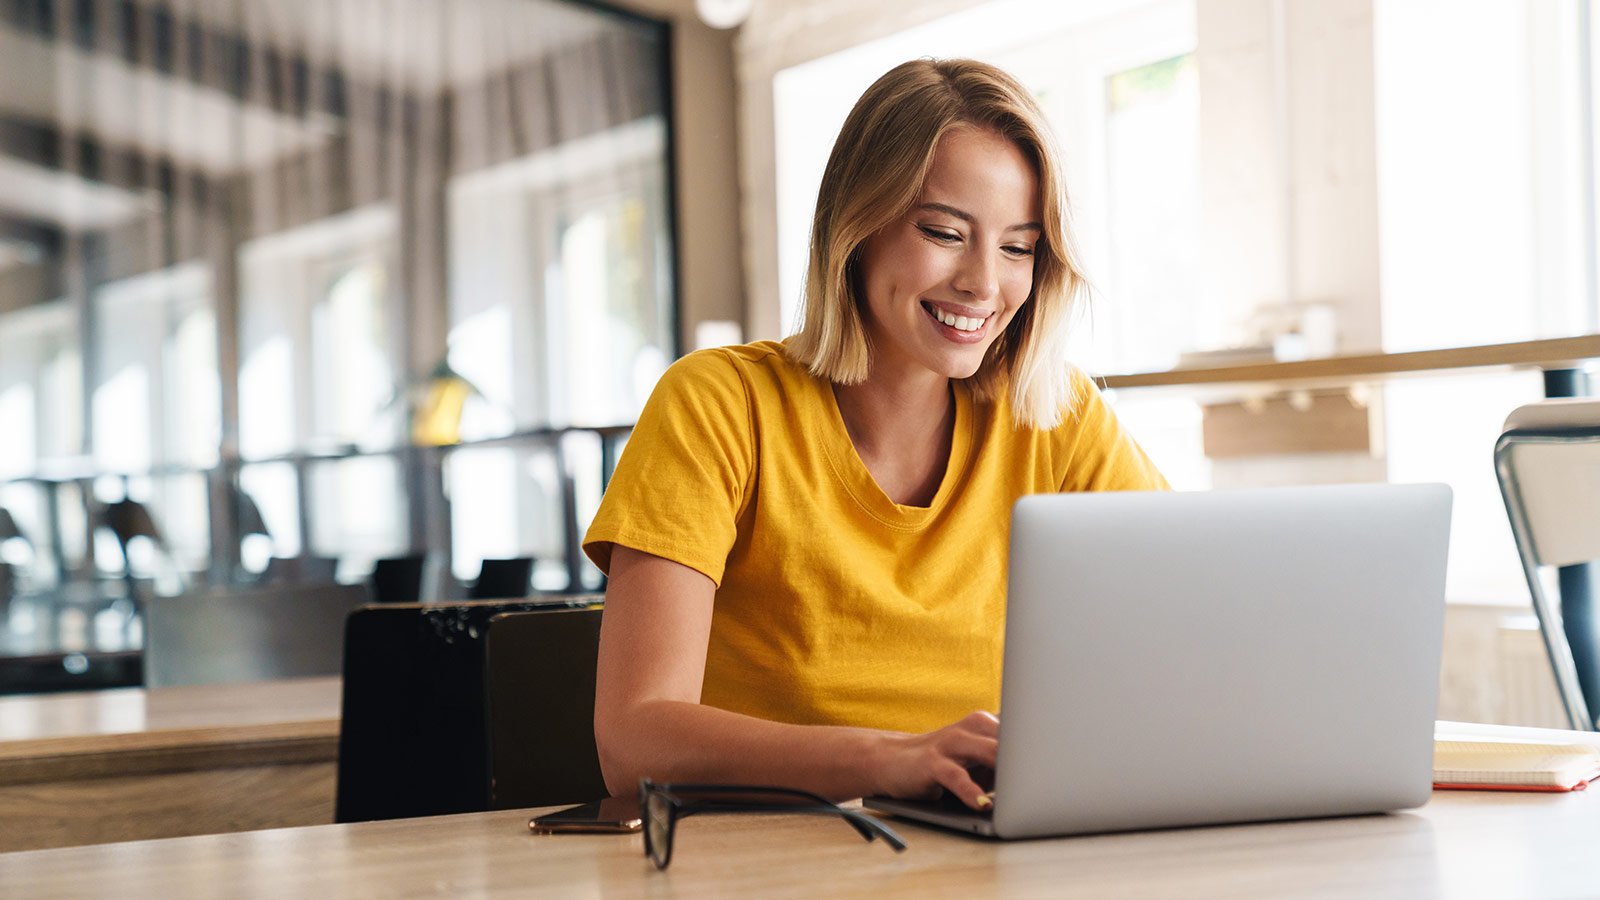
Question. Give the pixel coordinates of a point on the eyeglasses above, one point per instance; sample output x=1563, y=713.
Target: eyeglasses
x=662, y=805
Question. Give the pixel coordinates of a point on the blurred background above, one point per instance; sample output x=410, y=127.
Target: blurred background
x=370, y=291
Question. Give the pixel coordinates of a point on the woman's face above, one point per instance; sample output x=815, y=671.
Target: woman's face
x=942, y=283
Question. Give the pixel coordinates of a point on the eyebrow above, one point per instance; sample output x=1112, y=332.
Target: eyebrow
x=967, y=217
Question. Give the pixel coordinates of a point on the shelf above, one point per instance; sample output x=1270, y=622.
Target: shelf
x=1544, y=354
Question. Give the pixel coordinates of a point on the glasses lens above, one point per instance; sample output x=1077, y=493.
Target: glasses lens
x=658, y=828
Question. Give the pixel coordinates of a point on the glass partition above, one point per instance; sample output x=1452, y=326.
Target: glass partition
x=242, y=247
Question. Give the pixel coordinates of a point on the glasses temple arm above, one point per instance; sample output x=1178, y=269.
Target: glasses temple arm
x=865, y=825
x=870, y=827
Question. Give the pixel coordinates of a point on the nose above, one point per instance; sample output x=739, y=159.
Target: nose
x=978, y=275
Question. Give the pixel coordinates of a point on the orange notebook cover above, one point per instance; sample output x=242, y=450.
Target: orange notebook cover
x=1539, y=788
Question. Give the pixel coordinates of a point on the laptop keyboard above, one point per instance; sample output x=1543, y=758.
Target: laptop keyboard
x=950, y=803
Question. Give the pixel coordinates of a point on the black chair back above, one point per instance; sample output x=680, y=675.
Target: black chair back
x=502, y=579
x=413, y=737
x=299, y=570
x=540, y=700
x=397, y=579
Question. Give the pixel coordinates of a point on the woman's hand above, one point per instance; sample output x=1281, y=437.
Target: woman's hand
x=916, y=766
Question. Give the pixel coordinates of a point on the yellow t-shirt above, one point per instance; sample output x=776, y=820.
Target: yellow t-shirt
x=834, y=604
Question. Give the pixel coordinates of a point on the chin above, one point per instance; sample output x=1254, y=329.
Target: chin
x=961, y=367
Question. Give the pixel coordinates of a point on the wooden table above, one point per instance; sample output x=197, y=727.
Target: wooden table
x=131, y=764
x=1461, y=844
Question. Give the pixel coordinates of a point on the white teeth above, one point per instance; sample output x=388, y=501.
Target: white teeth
x=959, y=323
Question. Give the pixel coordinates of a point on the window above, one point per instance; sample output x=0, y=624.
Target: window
x=319, y=370
x=351, y=356
x=1481, y=173
x=561, y=314
x=308, y=224
x=560, y=299
x=608, y=338
x=319, y=335
x=1152, y=141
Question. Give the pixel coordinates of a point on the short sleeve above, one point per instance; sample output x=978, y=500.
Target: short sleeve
x=1103, y=456
x=686, y=471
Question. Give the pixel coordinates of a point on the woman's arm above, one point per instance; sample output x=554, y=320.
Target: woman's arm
x=648, y=720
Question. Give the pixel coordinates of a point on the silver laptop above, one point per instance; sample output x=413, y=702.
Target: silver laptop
x=1200, y=658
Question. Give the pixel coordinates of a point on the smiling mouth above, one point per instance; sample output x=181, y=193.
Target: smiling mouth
x=960, y=323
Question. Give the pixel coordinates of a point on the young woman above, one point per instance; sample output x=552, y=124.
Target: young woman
x=806, y=540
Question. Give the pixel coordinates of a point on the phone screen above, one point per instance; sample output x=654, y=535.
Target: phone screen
x=612, y=815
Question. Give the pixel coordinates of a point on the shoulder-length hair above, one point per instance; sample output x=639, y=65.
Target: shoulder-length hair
x=874, y=175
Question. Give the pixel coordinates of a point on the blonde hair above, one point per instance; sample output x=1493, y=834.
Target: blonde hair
x=874, y=175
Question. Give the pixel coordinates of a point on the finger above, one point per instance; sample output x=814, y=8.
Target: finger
x=970, y=749
x=985, y=723
x=955, y=779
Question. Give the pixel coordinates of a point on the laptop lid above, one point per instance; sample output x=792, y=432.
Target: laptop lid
x=1197, y=658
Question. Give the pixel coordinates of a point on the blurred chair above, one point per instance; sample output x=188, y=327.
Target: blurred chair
x=247, y=523
x=300, y=570
x=8, y=528
x=247, y=634
x=1548, y=464
x=502, y=579
x=539, y=676
x=8, y=573
x=128, y=519
x=247, y=515
x=414, y=734
x=8, y=590
x=397, y=579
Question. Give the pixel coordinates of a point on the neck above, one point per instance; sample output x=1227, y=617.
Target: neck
x=882, y=412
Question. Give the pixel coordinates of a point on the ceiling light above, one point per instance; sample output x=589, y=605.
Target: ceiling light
x=723, y=13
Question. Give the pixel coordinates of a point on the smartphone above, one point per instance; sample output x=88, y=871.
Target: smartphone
x=613, y=815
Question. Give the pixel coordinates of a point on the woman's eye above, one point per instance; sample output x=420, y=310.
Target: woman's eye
x=1019, y=251
x=936, y=234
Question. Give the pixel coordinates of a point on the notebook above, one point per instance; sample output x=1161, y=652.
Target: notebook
x=1182, y=659
x=1513, y=766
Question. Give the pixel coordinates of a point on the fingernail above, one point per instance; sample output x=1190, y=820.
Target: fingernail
x=985, y=801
